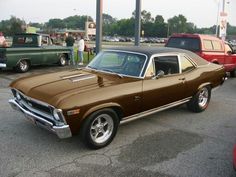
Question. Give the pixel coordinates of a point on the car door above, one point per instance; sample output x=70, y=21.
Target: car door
x=164, y=89
x=49, y=54
x=230, y=58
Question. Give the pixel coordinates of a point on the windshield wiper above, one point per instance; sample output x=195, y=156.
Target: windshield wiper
x=108, y=70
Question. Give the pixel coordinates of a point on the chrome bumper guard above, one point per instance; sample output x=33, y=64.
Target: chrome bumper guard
x=62, y=131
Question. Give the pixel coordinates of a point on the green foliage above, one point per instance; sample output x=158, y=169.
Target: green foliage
x=152, y=27
x=12, y=26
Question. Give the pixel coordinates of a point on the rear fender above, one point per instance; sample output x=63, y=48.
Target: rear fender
x=204, y=85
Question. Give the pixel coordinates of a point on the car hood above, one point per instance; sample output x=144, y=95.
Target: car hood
x=53, y=88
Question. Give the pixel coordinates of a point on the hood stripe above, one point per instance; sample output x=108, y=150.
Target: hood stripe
x=84, y=77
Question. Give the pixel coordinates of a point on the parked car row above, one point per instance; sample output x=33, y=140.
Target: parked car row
x=131, y=39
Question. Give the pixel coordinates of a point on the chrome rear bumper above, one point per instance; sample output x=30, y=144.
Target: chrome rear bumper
x=3, y=65
x=62, y=131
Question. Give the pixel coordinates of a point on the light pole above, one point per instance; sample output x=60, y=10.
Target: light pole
x=99, y=26
x=217, y=17
x=137, y=22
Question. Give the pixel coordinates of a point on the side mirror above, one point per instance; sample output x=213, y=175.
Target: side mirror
x=159, y=74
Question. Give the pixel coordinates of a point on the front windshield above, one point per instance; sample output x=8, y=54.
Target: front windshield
x=118, y=62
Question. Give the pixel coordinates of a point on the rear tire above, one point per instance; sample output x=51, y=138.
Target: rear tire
x=23, y=66
x=100, y=128
x=200, y=100
x=62, y=60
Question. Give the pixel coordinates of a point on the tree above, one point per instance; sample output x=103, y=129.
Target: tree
x=177, y=24
x=56, y=23
x=108, y=19
x=12, y=26
x=75, y=22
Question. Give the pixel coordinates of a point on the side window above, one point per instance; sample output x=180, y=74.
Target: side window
x=45, y=40
x=150, y=70
x=228, y=48
x=168, y=64
x=207, y=45
x=186, y=65
x=217, y=45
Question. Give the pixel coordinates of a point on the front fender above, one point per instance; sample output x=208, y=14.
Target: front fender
x=101, y=106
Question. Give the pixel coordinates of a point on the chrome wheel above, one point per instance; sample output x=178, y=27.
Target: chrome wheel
x=203, y=97
x=62, y=60
x=101, y=128
x=22, y=66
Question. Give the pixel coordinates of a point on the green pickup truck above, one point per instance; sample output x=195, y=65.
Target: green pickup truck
x=32, y=49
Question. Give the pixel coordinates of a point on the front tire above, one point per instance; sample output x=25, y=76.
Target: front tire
x=200, y=100
x=100, y=128
x=23, y=66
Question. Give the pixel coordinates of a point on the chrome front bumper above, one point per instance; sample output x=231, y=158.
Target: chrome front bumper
x=62, y=131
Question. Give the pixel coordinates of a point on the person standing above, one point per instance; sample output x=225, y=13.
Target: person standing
x=81, y=50
x=70, y=43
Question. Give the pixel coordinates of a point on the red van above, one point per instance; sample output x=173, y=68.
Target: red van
x=208, y=47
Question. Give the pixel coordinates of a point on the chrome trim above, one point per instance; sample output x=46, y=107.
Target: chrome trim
x=62, y=131
x=36, y=111
x=43, y=104
x=3, y=65
x=32, y=99
x=72, y=76
x=152, y=111
x=81, y=79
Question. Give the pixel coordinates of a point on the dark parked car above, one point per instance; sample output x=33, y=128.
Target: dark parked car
x=118, y=86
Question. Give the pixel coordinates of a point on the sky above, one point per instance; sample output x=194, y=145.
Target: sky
x=202, y=13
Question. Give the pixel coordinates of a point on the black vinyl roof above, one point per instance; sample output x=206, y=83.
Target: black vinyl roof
x=149, y=51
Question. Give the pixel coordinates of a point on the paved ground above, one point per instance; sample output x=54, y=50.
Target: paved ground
x=173, y=143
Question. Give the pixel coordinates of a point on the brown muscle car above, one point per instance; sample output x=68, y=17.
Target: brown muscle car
x=119, y=85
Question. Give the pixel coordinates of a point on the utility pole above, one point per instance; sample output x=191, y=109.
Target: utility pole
x=99, y=26
x=137, y=22
x=217, y=18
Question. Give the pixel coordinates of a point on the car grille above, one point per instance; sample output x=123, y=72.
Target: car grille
x=34, y=106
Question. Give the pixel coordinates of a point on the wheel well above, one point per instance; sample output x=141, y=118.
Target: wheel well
x=118, y=111
x=215, y=62
x=66, y=54
x=205, y=85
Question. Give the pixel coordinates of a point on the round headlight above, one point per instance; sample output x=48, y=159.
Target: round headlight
x=18, y=97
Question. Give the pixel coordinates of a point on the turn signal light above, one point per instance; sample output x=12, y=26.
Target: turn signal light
x=73, y=112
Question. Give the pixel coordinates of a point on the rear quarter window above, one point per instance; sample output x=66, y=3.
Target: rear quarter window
x=217, y=45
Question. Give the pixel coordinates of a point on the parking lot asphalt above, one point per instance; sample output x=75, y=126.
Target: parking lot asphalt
x=172, y=143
